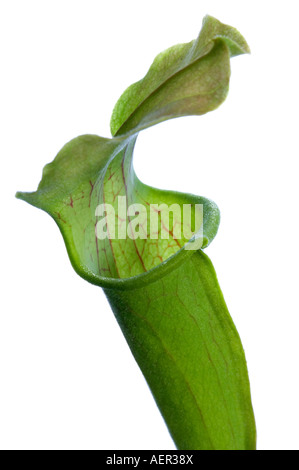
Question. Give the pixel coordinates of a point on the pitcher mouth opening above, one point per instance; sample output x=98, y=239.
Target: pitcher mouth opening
x=150, y=233
x=142, y=279
x=173, y=261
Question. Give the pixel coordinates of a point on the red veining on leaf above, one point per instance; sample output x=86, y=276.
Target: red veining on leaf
x=163, y=225
x=134, y=241
x=97, y=247
x=60, y=218
x=109, y=237
x=91, y=191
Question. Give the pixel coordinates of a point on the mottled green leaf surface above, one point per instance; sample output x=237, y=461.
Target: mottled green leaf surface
x=183, y=80
x=181, y=333
x=166, y=298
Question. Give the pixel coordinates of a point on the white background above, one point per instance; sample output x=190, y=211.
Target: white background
x=68, y=380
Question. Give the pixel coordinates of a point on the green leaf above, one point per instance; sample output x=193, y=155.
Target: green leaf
x=186, y=79
x=181, y=334
x=164, y=294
